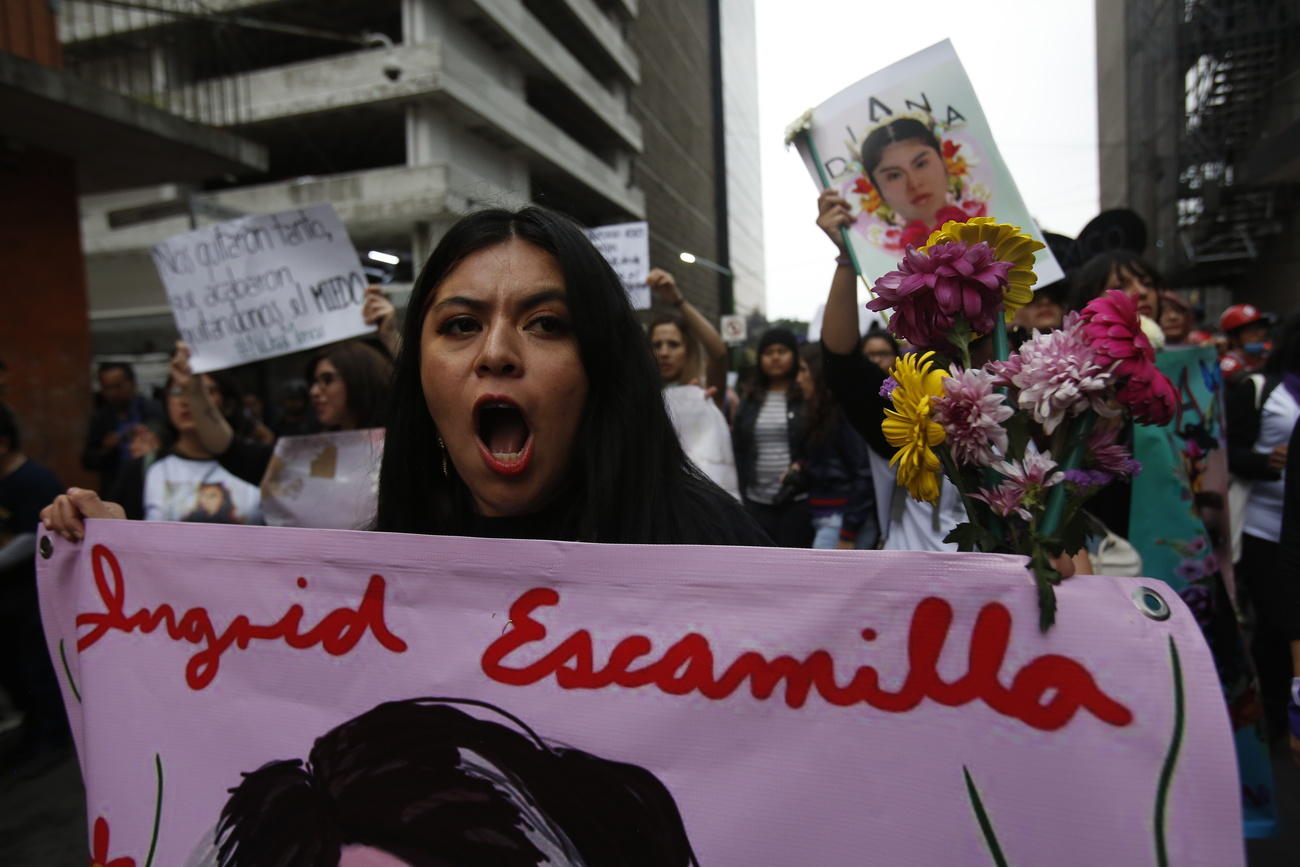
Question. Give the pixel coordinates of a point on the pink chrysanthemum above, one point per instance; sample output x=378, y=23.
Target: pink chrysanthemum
x=1005, y=500
x=1056, y=374
x=1025, y=487
x=1112, y=328
x=933, y=289
x=1149, y=395
x=1035, y=471
x=972, y=414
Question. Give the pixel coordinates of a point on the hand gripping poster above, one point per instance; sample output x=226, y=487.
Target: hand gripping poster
x=910, y=149
x=266, y=695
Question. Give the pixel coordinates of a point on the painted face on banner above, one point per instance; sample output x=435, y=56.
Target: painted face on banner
x=329, y=396
x=912, y=179
x=670, y=351
x=503, y=377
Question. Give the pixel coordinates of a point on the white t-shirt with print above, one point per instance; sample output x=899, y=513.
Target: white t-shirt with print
x=184, y=489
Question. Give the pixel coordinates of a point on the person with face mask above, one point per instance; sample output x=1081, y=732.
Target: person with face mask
x=1246, y=329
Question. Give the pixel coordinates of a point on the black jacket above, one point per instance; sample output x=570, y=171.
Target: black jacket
x=839, y=476
x=1243, y=410
x=855, y=382
x=742, y=435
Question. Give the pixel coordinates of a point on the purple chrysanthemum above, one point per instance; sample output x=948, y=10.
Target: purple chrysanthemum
x=1089, y=478
x=972, y=414
x=887, y=388
x=1105, y=453
x=931, y=290
x=1056, y=374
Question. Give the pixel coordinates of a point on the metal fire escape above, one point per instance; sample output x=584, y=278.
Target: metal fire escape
x=1233, y=54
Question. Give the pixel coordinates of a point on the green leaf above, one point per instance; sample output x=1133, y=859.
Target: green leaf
x=969, y=536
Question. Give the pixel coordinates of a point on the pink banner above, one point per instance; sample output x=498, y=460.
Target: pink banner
x=414, y=700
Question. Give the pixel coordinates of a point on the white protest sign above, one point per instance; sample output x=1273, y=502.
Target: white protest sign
x=263, y=285
x=734, y=330
x=626, y=246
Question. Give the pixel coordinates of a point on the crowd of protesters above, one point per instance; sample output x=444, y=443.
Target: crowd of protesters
x=510, y=409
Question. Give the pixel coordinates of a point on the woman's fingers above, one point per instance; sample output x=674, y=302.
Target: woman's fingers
x=376, y=309
x=66, y=514
x=62, y=517
x=182, y=376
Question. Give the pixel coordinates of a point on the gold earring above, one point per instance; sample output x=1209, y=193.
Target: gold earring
x=443, y=446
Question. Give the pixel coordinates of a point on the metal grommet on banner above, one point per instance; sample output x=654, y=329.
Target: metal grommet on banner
x=47, y=548
x=1151, y=603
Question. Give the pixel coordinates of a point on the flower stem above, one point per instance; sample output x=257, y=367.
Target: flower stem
x=1001, y=345
x=1078, y=442
x=951, y=470
x=806, y=137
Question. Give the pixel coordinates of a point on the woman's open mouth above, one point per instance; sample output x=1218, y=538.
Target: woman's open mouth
x=504, y=439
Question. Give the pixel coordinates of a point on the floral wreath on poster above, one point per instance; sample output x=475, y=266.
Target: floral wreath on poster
x=966, y=186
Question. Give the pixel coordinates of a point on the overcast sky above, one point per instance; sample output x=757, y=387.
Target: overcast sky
x=1033, y=66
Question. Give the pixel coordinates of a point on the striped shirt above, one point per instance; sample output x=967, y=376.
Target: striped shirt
x=771, y=448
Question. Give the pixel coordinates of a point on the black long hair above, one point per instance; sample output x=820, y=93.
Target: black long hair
x=629, y=481
x=823, y=410
x=1090, y=280
x=1285, y=357
x=367, y=374
x=902, y=129
x=432, y=785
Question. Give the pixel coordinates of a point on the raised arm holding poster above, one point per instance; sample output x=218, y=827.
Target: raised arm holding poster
x=261, y=286
x=254, y=696
x=626, y=247
x=910, y=149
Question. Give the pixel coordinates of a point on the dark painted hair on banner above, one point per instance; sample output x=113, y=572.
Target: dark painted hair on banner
x=367, y=374
x=1090, y=280
x=903, y=129
x=432, y=785
x=629, y=480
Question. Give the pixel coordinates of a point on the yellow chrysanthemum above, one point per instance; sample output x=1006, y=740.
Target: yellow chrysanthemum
x=909, y=427
x=1009, y=245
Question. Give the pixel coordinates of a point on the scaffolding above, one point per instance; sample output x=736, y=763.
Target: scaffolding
x=1234, y=56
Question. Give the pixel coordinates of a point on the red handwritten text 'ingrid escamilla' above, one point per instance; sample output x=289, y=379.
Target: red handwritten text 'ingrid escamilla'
x=337, y=633
x=1045, y=693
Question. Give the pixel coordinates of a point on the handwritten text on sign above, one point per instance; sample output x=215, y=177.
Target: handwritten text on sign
x=263, y=286
x=626, y=246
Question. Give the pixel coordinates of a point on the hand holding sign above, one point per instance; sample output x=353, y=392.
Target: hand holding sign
x=263, y=286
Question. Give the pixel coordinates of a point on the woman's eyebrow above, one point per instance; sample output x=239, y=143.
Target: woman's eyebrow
x=536, y=299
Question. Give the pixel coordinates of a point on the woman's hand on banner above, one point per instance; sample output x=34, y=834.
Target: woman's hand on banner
x=378, y=311
x=66, y=515
x=833, y=214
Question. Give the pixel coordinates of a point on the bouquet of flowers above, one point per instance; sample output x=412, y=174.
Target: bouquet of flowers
x=1029, y=436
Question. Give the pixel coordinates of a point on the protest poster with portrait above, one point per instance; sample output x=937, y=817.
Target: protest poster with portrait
x=260, y=286
x=910, y=149
x=626, y=247
x=376, y=698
